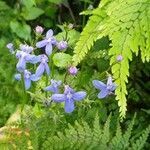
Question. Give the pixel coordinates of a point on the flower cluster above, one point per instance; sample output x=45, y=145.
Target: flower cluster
x=26, y=55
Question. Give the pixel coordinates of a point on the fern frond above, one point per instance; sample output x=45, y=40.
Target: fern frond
x=89, y=35
x=127, y=25
x=139, y=143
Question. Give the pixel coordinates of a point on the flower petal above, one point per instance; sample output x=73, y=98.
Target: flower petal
x=40, y=70
x=33, y=77
x=41, y=43
x=99, y=85
x=79, y=95
x=47, y=68
x=48, y=49
x=58, y=97
x=49, y=33
x=27, y=83
x=51, y=88
x=69, y=106
x=103, y=93
x=21, y=65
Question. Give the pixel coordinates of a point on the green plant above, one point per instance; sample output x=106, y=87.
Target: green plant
x=126, y=23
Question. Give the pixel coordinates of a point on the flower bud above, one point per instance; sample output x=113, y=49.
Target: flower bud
x=10, y=46
x=119, y=58
x=18, y=77
x=39, y=30
x=73, y=70
x=62, y=45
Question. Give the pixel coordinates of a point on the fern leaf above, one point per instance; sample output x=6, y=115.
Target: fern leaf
x=139, y=143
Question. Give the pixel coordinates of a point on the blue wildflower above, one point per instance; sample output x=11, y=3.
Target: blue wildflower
x=28, y=77
x=24, y=58
x=26, y=48
x=10, y=46
x=47, y=42
x=62, y=45
x=106, y=89
x=43, y=66
x=69, y=97
x=54, y=86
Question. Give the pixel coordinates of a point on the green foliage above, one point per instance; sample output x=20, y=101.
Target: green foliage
x=83, y=136
x=127, y=25
x=62, y=60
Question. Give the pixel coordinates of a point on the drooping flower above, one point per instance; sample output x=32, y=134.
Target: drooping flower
x=105, y=89
x=47, y=42
x=10, y=46
x=54, y=86
x=73, y=70
x=62, y=45
x=43, y=66
x=39, y=30
x=24, y=58
x=69, y=97
x=28, y=77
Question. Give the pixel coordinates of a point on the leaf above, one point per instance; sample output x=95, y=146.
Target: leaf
x=72, y=36
x=62, y=60
x=22, y=30
x=31, y=15
x=56, y=1
x=28, y=3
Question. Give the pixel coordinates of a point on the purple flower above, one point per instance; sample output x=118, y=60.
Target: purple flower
x=54, y=86
x=73, y=70
x=10, y=46
x=17, y=76
x=39, y=30
x=24, y=58
x=43, y=66
x=62, y=45
x=28, y=77
x=106, y=89
x=26, y=48
x=119, y=58
x=69, y=97
x=47, y=42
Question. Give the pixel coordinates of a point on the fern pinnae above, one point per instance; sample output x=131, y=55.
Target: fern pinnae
x=139, y=143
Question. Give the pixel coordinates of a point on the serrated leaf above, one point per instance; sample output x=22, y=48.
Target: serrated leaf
x=22, y=30
x=31, y=15
x=62, y=60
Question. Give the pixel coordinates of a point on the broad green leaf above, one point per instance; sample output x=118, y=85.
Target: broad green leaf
x=62, y=60
x=31, y=15
x=22, y=30
x=28, y=3
x=72, y=36
x=56, y=1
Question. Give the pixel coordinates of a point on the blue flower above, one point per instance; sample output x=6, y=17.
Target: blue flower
x=43, y=66
x=28, y=77
x=69, y=97
x=24, y=58
x=106, y=89
x=47, y=42
x=54, y=86
x=10, y=46
x=26, y=48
